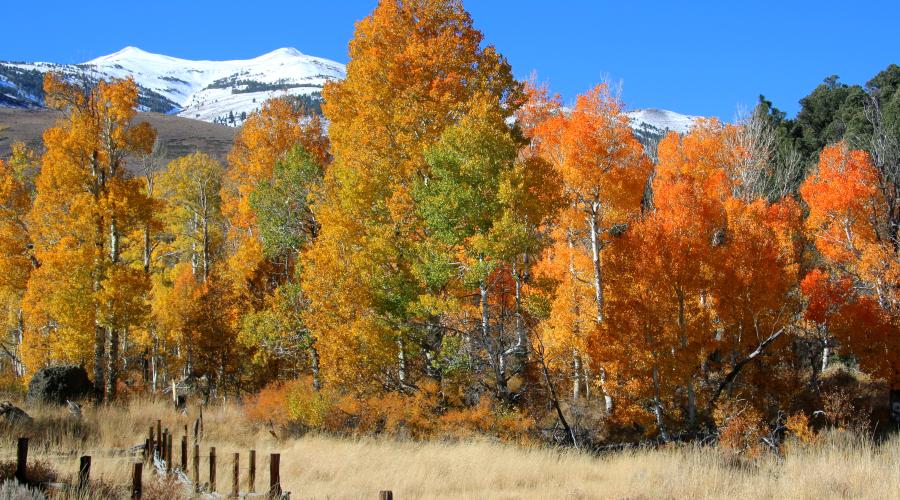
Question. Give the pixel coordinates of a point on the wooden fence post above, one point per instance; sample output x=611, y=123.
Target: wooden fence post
x=386, y=495
x=169, y=464
x=212, y=469
x=136, y=486
x=252, y=476
x=196, y=468
x=159, y=434
x=184, y=465
x=84, y=472
x=197, y=431
x=275, y=475
x=22, y=459
x=151, y=447
x=236, y=476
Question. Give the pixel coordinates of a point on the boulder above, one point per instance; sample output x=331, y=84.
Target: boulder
x=59, y=384
x=12, y=414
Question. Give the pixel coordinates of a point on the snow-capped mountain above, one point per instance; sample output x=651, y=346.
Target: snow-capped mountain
x=213, y=91
x=651, y=124
x=227, y=91
x=662, y=120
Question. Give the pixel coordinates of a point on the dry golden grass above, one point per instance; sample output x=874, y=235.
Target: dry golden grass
x=838, y=466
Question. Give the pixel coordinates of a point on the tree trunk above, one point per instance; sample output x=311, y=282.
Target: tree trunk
x=577, y=375
x=596, y=247
x=99, y=330
x=148, y=250
x=112, y=365
x=99, y=361
x=607, y=399
x=520, y=352
x=738, y=366
x=195, y=258
x=689, y=383
x=205, y=248
x=554, y=400
x=657, y=404
x=494, y=347
x=20, y=337
x=401, y=362
x=595, y=259
x=314, y=361
x=154, y=364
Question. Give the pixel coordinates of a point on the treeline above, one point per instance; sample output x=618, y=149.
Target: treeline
x=463, y=252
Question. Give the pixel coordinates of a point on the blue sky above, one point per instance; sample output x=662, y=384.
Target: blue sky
x=695, y=57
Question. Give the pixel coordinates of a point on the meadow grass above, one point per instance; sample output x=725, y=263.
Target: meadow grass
x=839, y=465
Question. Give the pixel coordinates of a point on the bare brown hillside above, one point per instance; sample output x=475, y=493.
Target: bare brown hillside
x=179, y=136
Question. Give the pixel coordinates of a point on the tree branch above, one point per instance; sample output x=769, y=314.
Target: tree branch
x=735, y=371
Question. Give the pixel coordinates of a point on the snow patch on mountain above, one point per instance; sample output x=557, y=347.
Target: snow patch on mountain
x=661, y=120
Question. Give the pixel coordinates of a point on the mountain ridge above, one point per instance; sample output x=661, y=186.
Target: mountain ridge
x=213, y=91
x=226, y=91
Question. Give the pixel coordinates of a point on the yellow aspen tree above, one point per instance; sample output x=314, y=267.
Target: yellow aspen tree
x=85, y=293
x=16, y=256
x=414, y=68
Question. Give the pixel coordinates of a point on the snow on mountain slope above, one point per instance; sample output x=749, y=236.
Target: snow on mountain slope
x=210, y=90
x=215, y=91
x=662, y=120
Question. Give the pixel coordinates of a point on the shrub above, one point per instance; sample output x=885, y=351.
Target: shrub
x=421, y=414
x=741, y=428
x=843, y=413
x=798, y=426
x=270, y=404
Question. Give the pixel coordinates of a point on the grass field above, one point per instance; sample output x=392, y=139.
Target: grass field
x=838, y=466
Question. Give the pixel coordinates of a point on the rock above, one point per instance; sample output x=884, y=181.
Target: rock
x=59, y=384
x=12, y=414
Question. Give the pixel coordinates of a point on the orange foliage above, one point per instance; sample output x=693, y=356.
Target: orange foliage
x=704, y=276
x=798, y=426
x=856, y=320
x=604, y=171
x=420, y=415
x=848, y=221
x=741, y=428
x=856, y=297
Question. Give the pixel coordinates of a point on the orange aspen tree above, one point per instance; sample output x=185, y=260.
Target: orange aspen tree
x=849, y=222
x=855, y=297
x=704, y=284
x=85, y=293
x=603, y=170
